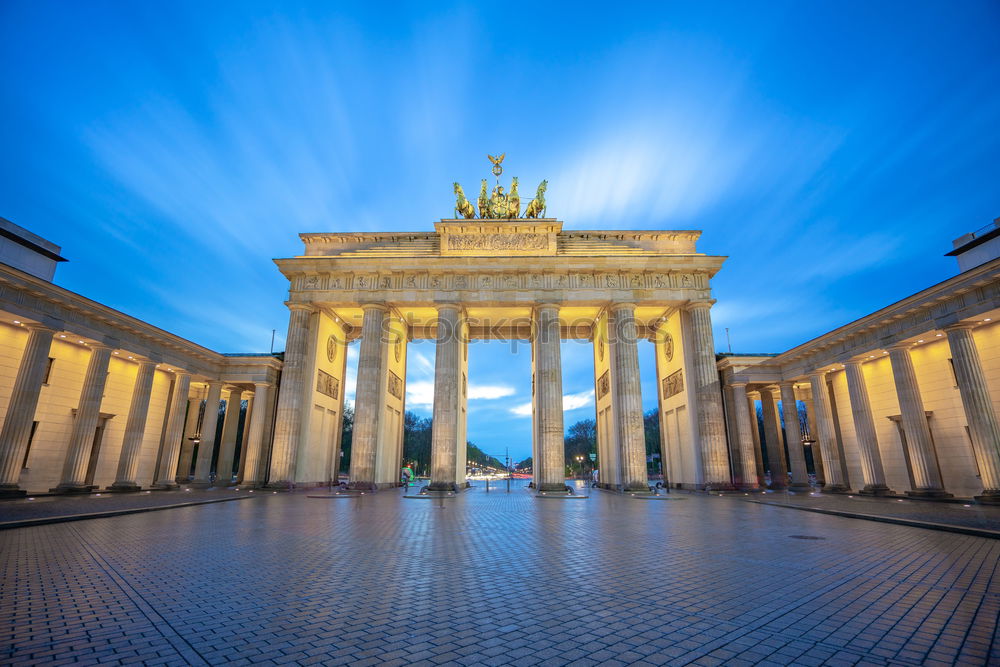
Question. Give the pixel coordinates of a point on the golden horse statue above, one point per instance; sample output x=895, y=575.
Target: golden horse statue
x=513, y=201
x=463, y=207
x=484, y=202
x=536, y=209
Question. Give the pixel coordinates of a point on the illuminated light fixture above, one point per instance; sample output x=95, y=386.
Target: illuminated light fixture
x=81, y=342
x=987, y=319
x=131, y=357
x=62, y=335
x=116, y=353
x=938, y=335
x=921, y=340
x=17, y=322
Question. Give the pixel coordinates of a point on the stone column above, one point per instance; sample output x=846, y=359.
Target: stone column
x=758, y=447
x=979, y=413
x=705, y=376
x=288, y=416
x=21, y=409
x=864, y=429
x=745, y=445
x=368, y=406
x=773, y=442
x=814, y=434
x=923, y=463
x=241, y=462
x=447, y=399
x=187, y=445
x=135, y=429
x=175, y=431
x=826, y=436
x=793, y=437
x=227, y=445
x=209, y=424
x=550, y=469
x=88, y=411
x=253, y=466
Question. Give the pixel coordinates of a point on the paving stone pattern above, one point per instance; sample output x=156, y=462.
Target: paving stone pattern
x=496, y=579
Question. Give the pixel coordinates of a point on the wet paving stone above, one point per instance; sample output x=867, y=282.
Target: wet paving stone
x=495, y=579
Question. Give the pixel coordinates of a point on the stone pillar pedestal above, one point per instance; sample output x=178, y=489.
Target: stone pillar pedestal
x=864, y=429
x=826, y=435
x=135, y=429
x=793, y=437
x=447, y=400
x=550, y=469
x=979, y=413
x=21, y=409
x=748, y=480
x=88, y=411
x=253, y=465
x=923, y=463
x=705, y=377
x=209, y=425
x=227, y=445
x=368, y=407
x=174, y=432
x=291, y=403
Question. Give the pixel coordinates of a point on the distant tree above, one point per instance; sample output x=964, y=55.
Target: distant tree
x=526, y=464
x=651, y=429
x=345, y=438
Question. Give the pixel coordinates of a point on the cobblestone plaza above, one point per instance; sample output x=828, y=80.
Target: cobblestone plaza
x=496, y=578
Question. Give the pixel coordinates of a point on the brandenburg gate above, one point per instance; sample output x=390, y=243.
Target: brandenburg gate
x=502, y=274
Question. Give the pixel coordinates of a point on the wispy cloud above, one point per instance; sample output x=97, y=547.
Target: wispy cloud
x=570, y=402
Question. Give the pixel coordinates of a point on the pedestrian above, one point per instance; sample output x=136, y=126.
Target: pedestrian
x=406, y=475
x=594, y=475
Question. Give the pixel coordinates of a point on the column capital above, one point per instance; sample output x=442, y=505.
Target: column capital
x=548, y=304
x=295, y=305
x=375, y=306
x=958, y=326
x=701, y=303
x=258, y=385
x=737, y=383
x=448, y=306
x=817, y=372
x=787, y=383
x=905, y=345
x=621, y=305
x=40, y=326
x=853, y=362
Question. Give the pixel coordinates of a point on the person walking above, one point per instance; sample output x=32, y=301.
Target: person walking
x=406, y=476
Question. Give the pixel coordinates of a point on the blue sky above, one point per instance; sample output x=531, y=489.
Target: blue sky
x=831, y=150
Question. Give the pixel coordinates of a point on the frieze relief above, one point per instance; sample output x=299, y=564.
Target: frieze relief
x=673, y=384
x=603, y=384
x=501, y=281
x=494, y=242
x=327, y=384
x=395, y=385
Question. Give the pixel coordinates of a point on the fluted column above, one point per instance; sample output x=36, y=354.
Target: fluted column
x=705, y=376
x=255, y=440
x=923, y=463
x=88, y=411
x=187, y=444
x=21, y=409
x=447, y=399
x=291, y=403
x=758, y=447
x=135, y=429
x=241, y=462
x=227, y=445
x=209, y=425
x=793, y=437
x=748, y=453
x=772, y=440
x=550, y=470
x=174, y=432
x=814, y=435
x=864, y=429
x=368, y=406
x=979, y=413
x=827, y=436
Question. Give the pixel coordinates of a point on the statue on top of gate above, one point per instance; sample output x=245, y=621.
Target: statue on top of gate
x=498, y=205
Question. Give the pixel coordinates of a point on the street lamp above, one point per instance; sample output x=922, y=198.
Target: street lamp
x=579, y=461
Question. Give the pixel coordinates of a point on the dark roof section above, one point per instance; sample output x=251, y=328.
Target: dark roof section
x=23, y=237
x=993, y=232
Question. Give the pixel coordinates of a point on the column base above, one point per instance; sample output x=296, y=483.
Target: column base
x=988, y=497
x=282, y=485
x=200, y=484
x=165, y=486
x=73, y=488
x=836, y=488
x=800, y=486
x=930, y=493
x=872, y=490
x=12, y=492
x=127, y=487
x=441, y=487
x=361, y=486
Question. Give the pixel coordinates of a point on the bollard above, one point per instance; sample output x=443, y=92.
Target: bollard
x=487, y=485
x=508, y=484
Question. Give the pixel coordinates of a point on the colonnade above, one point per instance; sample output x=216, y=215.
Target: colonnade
x=180, y=420
x=920, y=456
